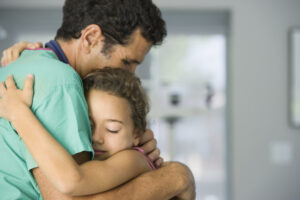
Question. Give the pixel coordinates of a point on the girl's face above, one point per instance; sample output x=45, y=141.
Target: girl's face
x=111, y=123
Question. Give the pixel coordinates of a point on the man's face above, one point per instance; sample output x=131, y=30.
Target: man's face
x=126, y=57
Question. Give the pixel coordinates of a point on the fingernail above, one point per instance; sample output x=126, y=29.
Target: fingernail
x=29, y=76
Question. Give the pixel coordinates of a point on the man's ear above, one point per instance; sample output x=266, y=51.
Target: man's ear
x=91, y=36
x=137, y=137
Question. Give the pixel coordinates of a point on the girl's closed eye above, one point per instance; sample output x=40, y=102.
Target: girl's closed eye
x=113, y=127
x=112, y=131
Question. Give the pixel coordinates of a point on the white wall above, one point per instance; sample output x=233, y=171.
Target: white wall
x=258, y=83
x=260, y=100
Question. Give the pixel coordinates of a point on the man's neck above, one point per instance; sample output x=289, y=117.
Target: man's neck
x=69, y=50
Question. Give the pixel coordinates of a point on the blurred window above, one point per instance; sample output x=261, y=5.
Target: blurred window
x=186, y=81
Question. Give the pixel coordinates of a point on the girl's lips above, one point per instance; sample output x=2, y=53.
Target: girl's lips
x=99, y=152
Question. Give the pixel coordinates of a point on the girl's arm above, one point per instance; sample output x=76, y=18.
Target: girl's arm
x=12, y=53
x=54, y=161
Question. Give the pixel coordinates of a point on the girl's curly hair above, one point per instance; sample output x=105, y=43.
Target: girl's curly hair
x=121, y=83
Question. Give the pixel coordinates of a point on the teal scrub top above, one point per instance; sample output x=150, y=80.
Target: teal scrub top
x=60, y=106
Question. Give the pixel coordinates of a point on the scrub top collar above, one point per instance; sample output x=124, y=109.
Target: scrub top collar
x=52, y=44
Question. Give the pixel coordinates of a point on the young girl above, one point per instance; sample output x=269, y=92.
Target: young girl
x=117, y=109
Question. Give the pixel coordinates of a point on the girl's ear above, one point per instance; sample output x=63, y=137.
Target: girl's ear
x=137, y=137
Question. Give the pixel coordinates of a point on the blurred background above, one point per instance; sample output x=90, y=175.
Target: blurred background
x=220, y=88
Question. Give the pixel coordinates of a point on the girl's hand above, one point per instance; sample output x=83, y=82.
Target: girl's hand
x=12, y=99
x=149, y=144
x=12, y=53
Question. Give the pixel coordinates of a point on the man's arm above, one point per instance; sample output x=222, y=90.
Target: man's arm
x=171, y=180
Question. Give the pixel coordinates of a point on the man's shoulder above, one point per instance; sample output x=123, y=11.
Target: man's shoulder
x=44, y=65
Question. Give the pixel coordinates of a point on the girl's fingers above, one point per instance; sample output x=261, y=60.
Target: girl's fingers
x=31, y=45
x=15, y=54
x=11, y=54
x=3, y=63
x=150, y=147
x=154, y=155
x=4, y=58
x=2, y=89
x=8, y=56
x=38, y=44
x=146, y=137
x=28, y=84
x=28, y=89
x=10, y=83
x=158, y=163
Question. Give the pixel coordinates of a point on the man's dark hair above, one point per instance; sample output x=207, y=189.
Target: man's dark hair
x=116, y=18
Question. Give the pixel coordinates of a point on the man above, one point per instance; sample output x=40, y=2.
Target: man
x=94, y=34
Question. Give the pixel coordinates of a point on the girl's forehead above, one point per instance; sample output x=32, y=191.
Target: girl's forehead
x=106, y=105
x=100, y=94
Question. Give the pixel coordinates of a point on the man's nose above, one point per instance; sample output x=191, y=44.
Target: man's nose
x=133, y=68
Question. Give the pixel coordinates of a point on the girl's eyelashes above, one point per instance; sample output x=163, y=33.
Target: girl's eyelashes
x=112, y=131
x=113, y=127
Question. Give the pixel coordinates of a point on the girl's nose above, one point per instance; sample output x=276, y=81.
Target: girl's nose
x=97, y=137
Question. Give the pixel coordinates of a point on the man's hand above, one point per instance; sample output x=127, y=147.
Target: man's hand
x=12, y=53
x=149, y=144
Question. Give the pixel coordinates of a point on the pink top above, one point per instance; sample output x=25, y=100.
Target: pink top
x=148, y=160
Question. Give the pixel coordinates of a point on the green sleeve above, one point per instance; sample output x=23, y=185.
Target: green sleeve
x=64, y=113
